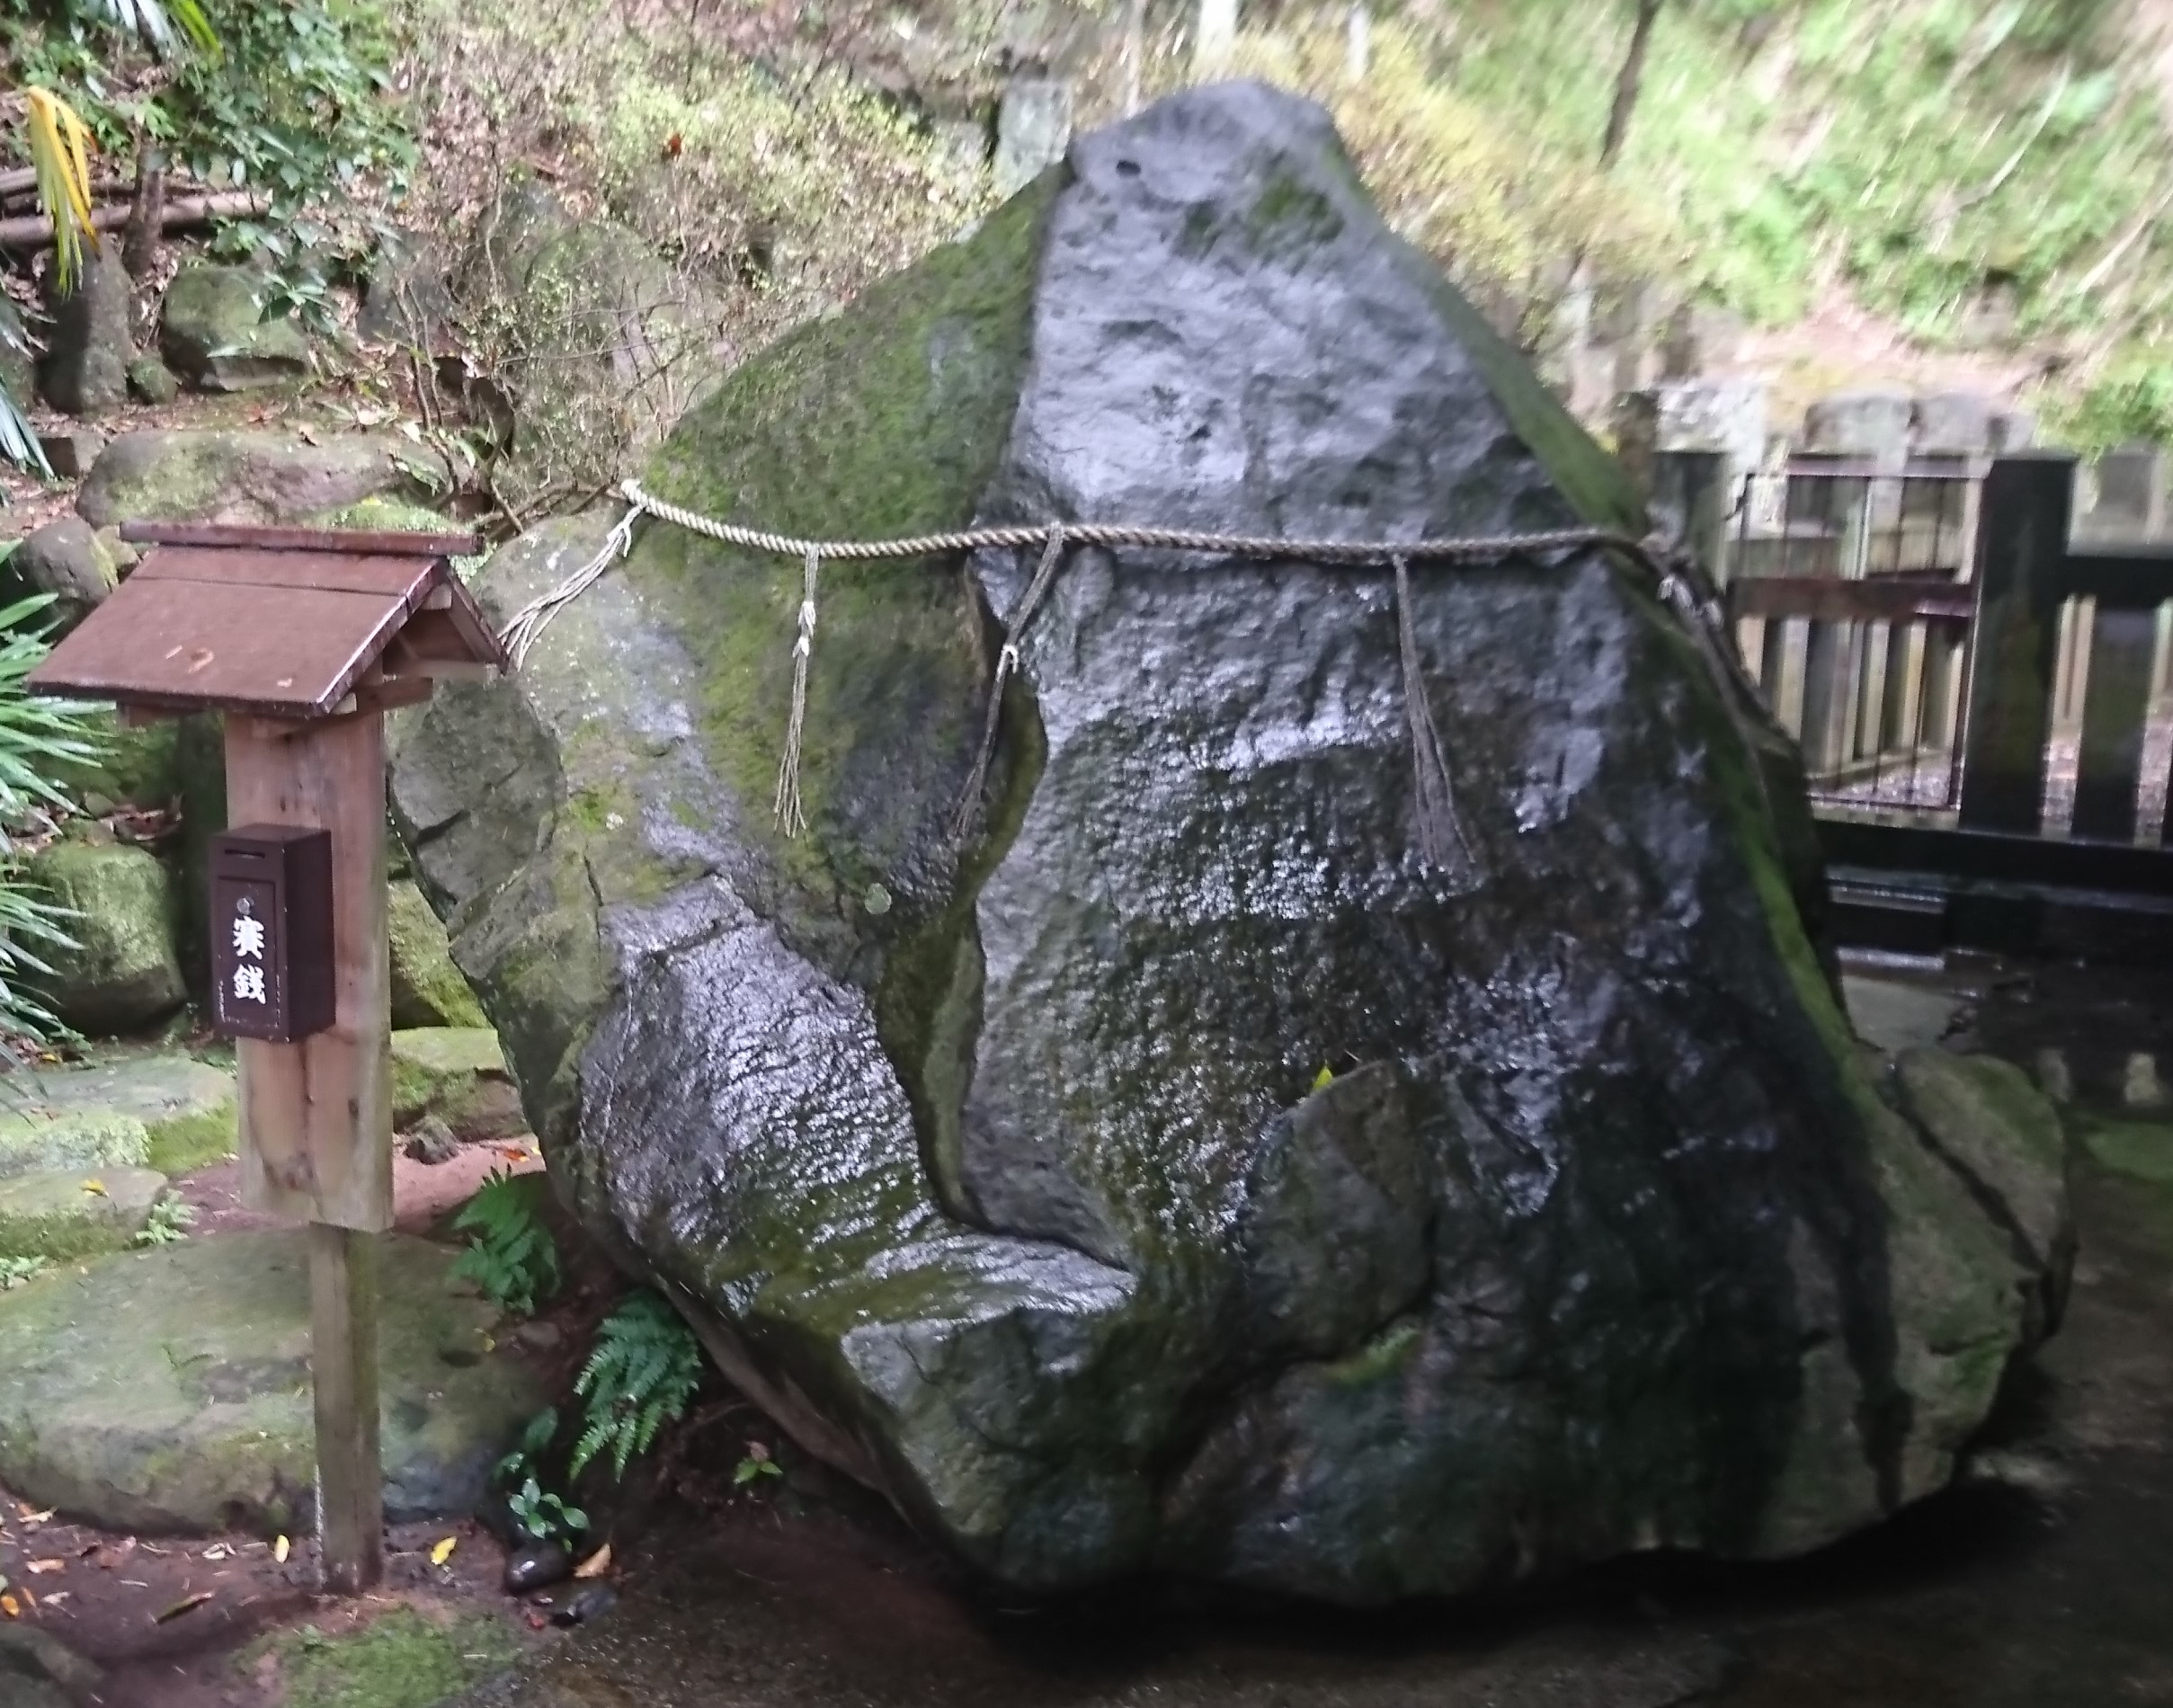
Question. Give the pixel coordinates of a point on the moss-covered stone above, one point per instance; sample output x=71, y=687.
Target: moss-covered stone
x=213, y=332
x=123, y=971
x=146, y=1108
x=404, y=1659
x=244, y=475
x=80, y=1140
x=209, y=1340
x=427, y=988
x=66, y=1214
x=458, y=1074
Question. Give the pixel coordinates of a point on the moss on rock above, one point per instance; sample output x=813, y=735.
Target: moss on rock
x=458, y=1074
x=64, y=1214
x=404, y=1659
x=427, y=988
x=124, y=971
x=144, y=1109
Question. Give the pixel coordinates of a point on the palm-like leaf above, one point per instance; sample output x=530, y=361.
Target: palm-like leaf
x=60, y=151
x=156, y=22
x=18, y=440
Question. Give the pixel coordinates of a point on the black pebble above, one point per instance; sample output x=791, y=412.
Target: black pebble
x=536, y=1566
x=592, y=1602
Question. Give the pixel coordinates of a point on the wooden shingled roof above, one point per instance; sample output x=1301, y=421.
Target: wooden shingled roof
x=274, y=622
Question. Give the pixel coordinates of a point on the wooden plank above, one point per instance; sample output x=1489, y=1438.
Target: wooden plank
x=201, y=646
x=2115, y=708
x=316, y=1116
x=1879, y=599
x=371, y=543
x=410, y=579
x=2021, y=559
x=343, y=1373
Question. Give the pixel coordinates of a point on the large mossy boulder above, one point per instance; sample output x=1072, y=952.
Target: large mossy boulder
x=1000, y=1163
x=168, y=1389
x=239, y=475
x=214, y=334
x=122, y=971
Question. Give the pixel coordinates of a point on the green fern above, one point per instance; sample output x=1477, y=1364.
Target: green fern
x=511, y=1254
x=170, y=1221
x=645, y=1368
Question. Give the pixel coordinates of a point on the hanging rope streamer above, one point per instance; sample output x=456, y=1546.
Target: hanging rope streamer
x=1006, y=661
x=786, y=806
x=1433, y=796
x=1441, y=840
x=532, y=619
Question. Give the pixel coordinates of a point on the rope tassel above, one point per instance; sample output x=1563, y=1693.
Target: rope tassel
x=1441, y=842
x=787, y=805
x=1007, y=662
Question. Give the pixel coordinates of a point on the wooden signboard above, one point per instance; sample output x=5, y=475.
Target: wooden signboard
x=304, y=640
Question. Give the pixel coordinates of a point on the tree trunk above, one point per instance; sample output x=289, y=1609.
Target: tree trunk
x=146, y=215
x=1625, y=83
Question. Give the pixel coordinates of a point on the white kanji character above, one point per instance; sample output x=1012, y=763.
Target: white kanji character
x=249, y=937
x=249, y=984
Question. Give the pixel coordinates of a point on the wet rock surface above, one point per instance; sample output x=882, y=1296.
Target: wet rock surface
x=1001, y=1168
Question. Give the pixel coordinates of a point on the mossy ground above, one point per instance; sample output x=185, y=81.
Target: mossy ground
x=405, y=1659
x=2140, y=1150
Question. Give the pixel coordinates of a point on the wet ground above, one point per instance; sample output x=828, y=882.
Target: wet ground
x=2046, y=1582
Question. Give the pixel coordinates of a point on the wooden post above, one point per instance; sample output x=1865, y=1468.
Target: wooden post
x=343, y=1373
x=2022, y=544
x=316, y=1116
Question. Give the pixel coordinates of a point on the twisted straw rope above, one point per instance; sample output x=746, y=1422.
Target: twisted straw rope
x=1438, y=828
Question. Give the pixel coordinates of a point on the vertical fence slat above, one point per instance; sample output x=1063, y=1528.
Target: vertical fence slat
x=2021, y=555
x=2116, y=706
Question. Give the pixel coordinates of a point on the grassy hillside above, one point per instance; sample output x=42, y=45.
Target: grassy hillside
x=1942, y=161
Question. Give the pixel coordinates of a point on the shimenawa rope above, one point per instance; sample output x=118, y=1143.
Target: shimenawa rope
x=1441, y=840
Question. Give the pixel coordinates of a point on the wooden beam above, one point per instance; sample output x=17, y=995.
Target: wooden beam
x=371, y=543
x=343, y=1373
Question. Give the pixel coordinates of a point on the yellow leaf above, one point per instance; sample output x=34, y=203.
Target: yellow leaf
x=59, y=156
x=443, y=1552
x=279, y=1550
x=11, y=1606
x=97, y=1187
x=1323, y=1078
x=596, y=1564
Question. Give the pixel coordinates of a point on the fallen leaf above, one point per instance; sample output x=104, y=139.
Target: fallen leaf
x=307, y=437
x=187, y=1604
x=13, y=1608
x=536, y=1620
x=29, y=1518
x=1323, y=1079
x=596, y=1564
x=40, y=1566
x=443, y=1552
x=97, y=1187
x=217, y=1551
x=279, y=1550
x=54, y=1597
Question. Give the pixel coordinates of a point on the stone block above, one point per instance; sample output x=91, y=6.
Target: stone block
x=1953, y=424
x=1873, y=424
x=67, y=1214
x=87, y=353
